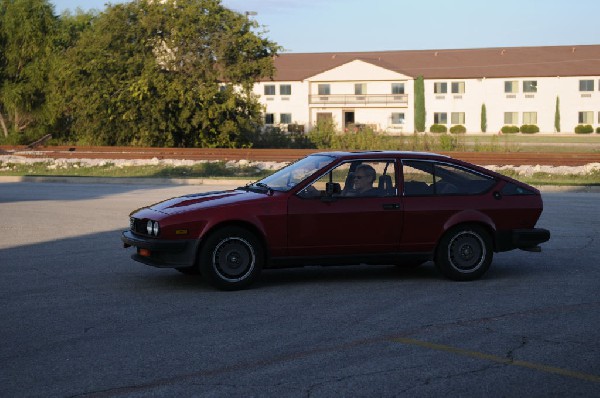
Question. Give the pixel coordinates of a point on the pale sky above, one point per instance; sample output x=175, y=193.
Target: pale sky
x=374, y=25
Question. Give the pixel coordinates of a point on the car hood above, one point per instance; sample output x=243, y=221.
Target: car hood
x=205, y=200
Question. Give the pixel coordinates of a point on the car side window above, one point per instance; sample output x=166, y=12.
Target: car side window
x=437, y=178
x=358, y=178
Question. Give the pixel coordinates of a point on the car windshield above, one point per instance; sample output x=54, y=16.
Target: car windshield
x=290, y=176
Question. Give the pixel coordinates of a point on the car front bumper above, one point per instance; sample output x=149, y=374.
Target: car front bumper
x=524, y=239
x=161, y=253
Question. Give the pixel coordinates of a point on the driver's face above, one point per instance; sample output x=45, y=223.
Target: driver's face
x=362, y=182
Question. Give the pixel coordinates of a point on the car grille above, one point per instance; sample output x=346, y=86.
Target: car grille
x=137, y=226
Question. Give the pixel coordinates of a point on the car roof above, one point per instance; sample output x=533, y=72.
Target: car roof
x=383, y=154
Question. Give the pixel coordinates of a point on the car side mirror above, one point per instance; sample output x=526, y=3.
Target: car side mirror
x=333, y=188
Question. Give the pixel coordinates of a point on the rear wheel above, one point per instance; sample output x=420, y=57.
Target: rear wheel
x=464, y=253
x=232, y=258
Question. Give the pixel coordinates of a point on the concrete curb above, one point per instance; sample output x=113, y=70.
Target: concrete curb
x=214, y=181
x=124, y=180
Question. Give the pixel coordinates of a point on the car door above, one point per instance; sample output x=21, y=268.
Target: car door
x=342, y=222
x=435, y=192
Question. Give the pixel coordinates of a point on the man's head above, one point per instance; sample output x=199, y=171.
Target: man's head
x=364, y=177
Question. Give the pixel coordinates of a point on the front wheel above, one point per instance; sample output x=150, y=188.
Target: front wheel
x=231, y=258
x=464, y=253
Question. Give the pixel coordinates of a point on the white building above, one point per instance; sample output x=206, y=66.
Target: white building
x=518, y=85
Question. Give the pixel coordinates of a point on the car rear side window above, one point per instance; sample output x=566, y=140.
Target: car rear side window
x=511, y=189
x=437, y=178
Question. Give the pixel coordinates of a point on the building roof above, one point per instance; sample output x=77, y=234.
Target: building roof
x=500, y=62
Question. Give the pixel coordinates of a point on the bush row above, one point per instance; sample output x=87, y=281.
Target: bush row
x=586, y=129
x=441, y=128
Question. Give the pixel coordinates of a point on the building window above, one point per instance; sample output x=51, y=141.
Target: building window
x=458, y=87
x=285, y=118
x=269, y=118
x=360, y=89
x=586, y=118
x=529, y=117
x=440, y=88
x=324, y=89
x=285, y=89
x=324, y=117
x=511, y=118
x=457, y=118
x=397, y=118
x=511, y=87
x=586, y=85
x=530, y=86
x=440, y=118
x=269, y=89
x=397, y=88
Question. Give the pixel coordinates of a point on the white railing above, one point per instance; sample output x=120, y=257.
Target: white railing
x=370, y=99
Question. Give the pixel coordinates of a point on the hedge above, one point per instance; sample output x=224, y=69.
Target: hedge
x=458, y=129
x=438, y=128
x=584, y=129
x=529, y=129
x=510, y=129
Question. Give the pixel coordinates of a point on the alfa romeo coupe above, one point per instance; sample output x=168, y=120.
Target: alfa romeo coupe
x=344, y=208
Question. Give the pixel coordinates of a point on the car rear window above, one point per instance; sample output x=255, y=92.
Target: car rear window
x=437, y=178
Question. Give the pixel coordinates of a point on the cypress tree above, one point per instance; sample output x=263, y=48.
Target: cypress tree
x=420, y=104
x=483, y=118
x=557, y=116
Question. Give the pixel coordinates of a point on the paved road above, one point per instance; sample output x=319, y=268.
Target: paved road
x=79, y=318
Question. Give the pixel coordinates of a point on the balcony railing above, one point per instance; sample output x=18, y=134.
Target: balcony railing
x=354, y=100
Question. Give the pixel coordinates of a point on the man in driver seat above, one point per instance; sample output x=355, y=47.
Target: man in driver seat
x=364, y=177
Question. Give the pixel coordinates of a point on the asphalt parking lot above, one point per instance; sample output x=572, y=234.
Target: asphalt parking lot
x=80, y=319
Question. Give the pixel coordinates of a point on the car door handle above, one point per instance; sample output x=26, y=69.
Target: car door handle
x=391, y=206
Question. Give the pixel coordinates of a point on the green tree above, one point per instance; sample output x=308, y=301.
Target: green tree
x=557, y=116
x=27, y=29
x=483, y=118
x=169, y=73
x=420, y=104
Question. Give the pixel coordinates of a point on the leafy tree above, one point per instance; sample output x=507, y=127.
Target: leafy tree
x=168, y=73
x=27, y=29
x=419, y=104
x=69, y=30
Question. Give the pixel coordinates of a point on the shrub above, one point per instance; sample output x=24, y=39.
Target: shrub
x=438, y=128
x=584, y=129
x=529, y=129
x=448, y=142
x=273, y=137
x=458, y=129
x=509, y=129
x=597, y=130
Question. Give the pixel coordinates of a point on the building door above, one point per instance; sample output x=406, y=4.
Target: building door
x=348, y=118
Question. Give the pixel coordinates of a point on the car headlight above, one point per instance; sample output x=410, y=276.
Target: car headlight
x=152, y=228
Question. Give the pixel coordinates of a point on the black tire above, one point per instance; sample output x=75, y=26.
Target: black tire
x=231, y=258
x=464, y=253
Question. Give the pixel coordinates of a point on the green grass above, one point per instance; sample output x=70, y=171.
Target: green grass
x=201, y=170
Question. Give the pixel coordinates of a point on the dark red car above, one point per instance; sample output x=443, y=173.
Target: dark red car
x=402, y=208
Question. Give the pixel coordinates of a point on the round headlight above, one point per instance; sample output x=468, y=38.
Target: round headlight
x=149, y=227
x=155, y=228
